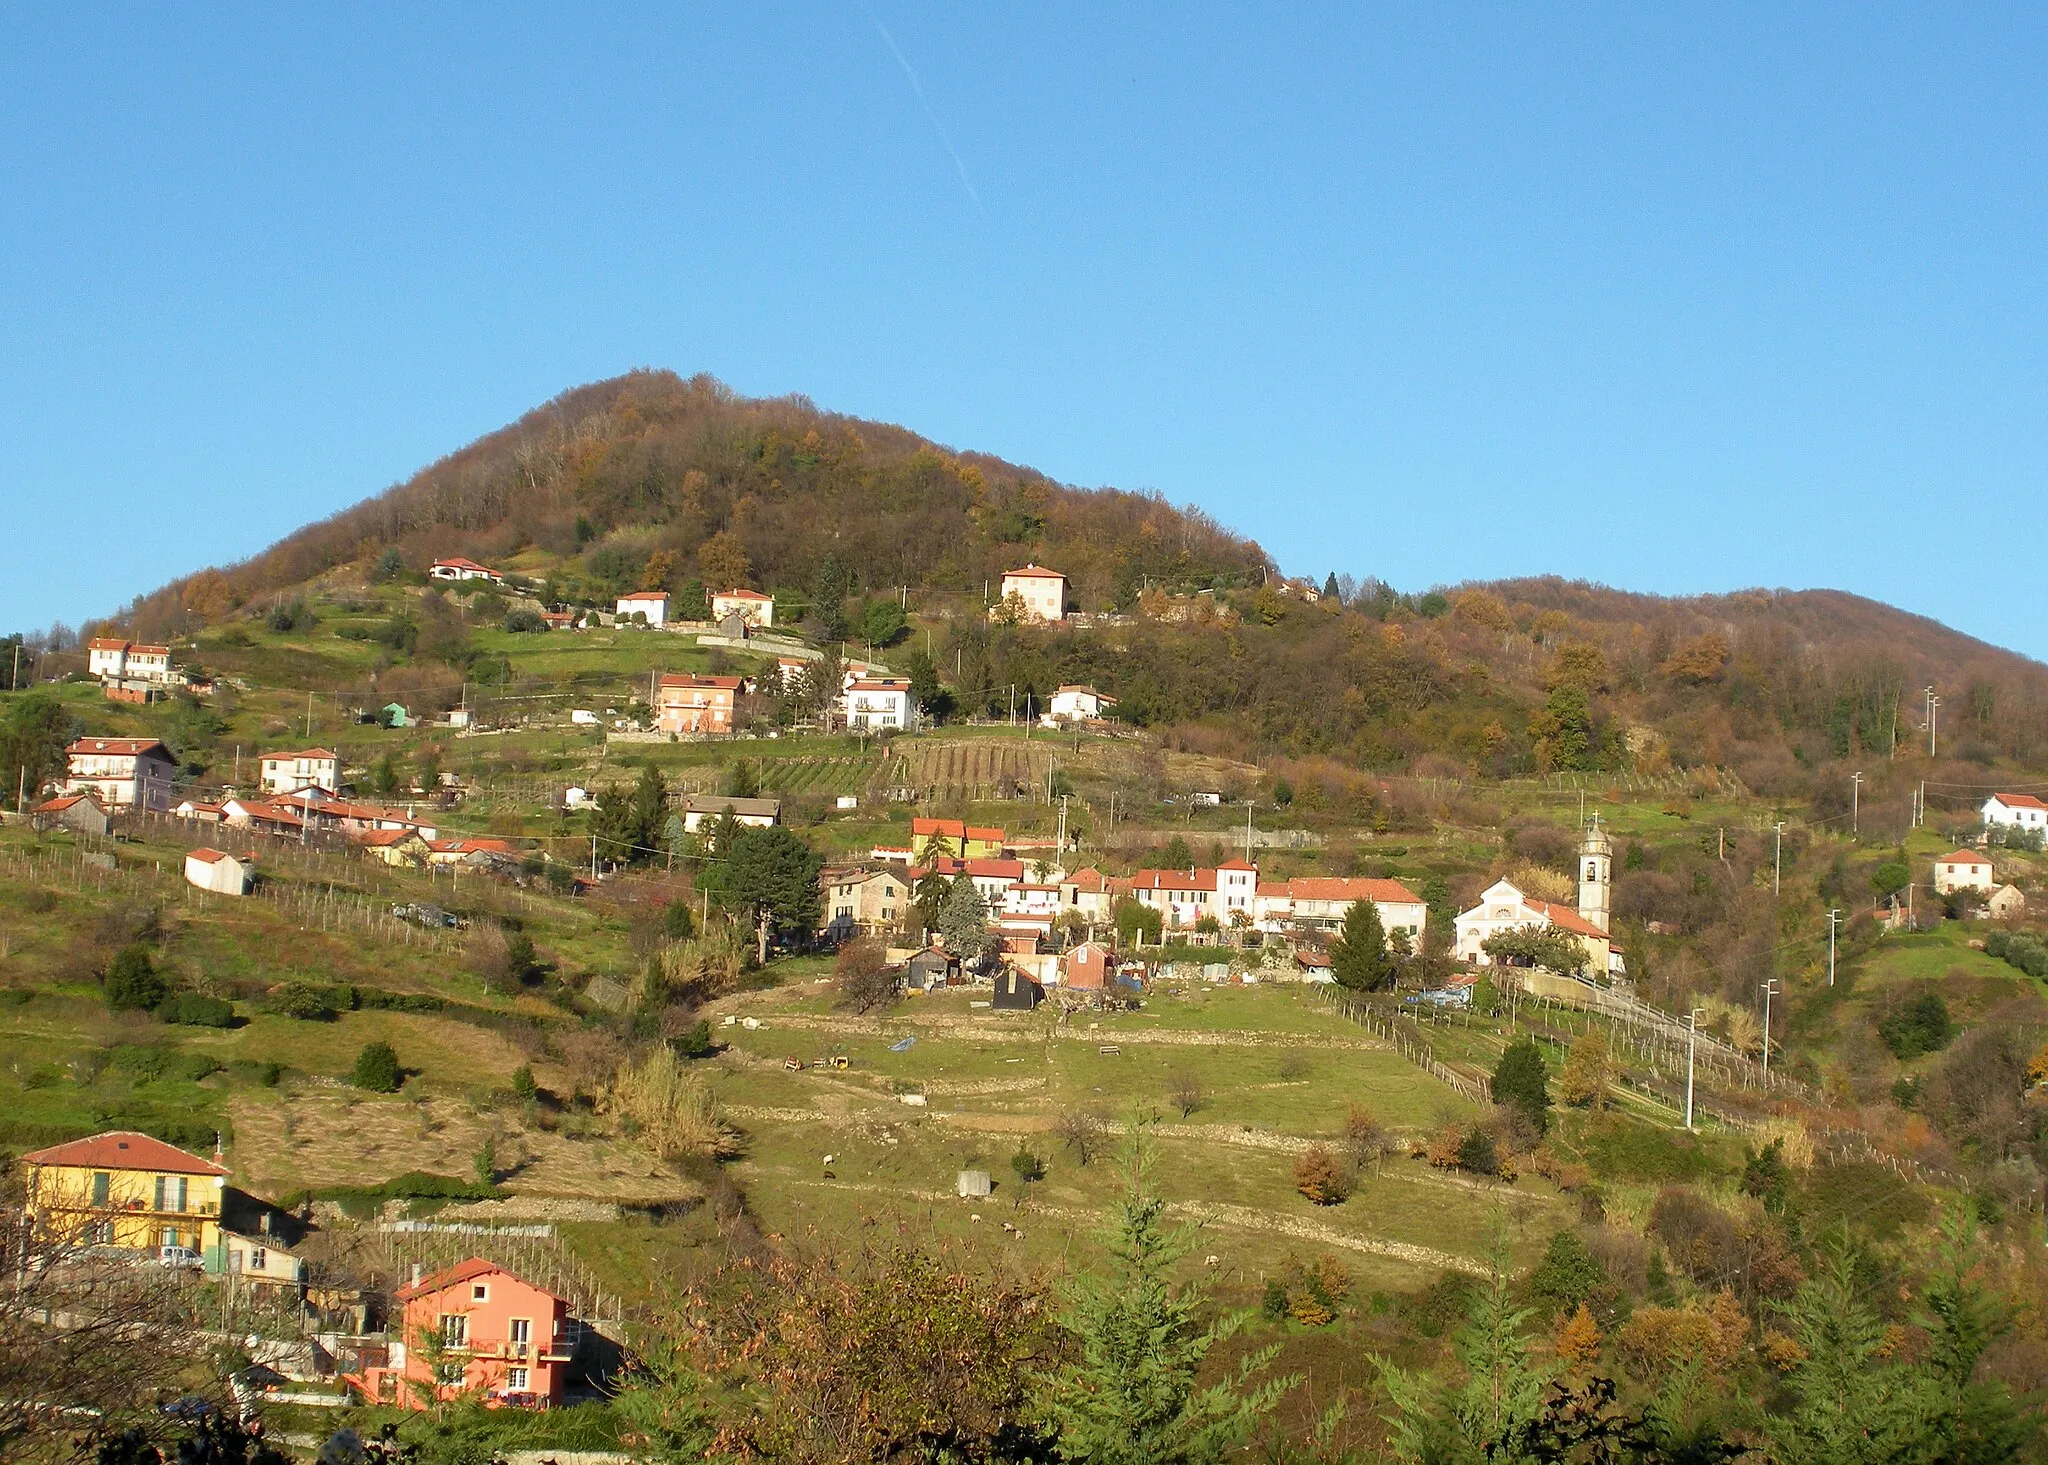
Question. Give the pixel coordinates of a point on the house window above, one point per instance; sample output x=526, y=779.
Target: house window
x=519, y=1334
x=454, y=1330
x=101, y=1233
x=515, y=1380
x=259, y=1259
x=481, y=1292
x=102, y=1185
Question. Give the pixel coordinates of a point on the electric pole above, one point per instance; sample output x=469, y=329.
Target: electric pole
x=1778, y=858
x=1933, y=713
x=1834, y=923
x=1769, y=987
x=1247, y=831
x=1855, y=803
x=1692, y=1042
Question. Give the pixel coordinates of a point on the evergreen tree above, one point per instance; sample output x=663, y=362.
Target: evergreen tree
x=770, y=874
x=1130, y=1396
x=1520, y=1079
x=963, y=920
x=132, y=981
x=630, y=823
x=1359, y=959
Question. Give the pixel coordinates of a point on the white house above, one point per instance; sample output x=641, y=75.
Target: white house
x=1077, y=704
x=651, y=603
x=461, y=569
x=287, y=773
x=1313, y=904
x=2016, y=811
x=1043, y=592
x=873, y=704
x=1184, y=897
x=1963, y=870
x=216, y=870
x=2003, y=902
x=750, y=606
x=123, y=773
x=1504, y=908
x=128, y=661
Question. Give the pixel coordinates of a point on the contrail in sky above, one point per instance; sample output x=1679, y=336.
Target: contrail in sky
x=918, y=87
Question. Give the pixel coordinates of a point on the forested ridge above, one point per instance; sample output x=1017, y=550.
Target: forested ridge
x=652, y=479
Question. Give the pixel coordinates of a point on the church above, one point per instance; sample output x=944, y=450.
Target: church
x=1503, y=907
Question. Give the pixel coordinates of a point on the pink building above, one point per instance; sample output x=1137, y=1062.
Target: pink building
x=499, y=1339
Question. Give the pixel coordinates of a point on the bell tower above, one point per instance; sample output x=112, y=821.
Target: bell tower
x=1596, y=876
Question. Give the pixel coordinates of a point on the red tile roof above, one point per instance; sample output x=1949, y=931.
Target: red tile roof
x=383, y=838
x=646, y=595
x=2019, y=801
x=313, y=753
x=1564, y=917
x=462, y=1272
x=1089, y=879
x=59, y=804
x=116, y=747
x=206, y=856
x=1389, y=892
x=100, y=645
x=1174, y=880
x=684, y=679
x=1963, y=857
x=996, y=869
x=1033, y=572
x=461, y=564
x=124, y=1149
x=744, y=595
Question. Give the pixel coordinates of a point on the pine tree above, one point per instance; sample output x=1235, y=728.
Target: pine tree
x=377, y=1069
x=963, y=919
x=1130, y=1398
x=1359, y=959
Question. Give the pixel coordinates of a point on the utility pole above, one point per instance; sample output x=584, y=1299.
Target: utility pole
x=309, y=717
x=1692, y=1042
x=1933, y=714
x=1834, y=923
x=1013, y=704
x=1247, y=831
x=1920, y=805
x=1778, y=858
x=1769, y=987
x=1855, y=803
x=593, y=857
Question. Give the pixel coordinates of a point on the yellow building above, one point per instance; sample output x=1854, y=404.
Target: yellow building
x=128, y=1190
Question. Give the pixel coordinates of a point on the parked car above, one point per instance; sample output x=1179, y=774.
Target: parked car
x=178, y=1256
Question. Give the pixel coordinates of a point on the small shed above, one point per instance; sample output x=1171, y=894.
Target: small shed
x=219, y=871
x=930, y=968
x=1086, y=968
x=396, y=715
x=79, y=812
x=2004, y=901
x=1016, y=992
x=973, y=1184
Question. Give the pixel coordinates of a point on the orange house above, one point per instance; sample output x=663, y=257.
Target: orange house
x=692, y=704
x=487, y=1333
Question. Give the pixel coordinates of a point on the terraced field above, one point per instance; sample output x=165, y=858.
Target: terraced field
x=970, y=770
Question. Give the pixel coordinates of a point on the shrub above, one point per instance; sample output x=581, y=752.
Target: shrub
x=523, y=621
x=1476, y=1153
x=1703, y=1240
x=1583, y=1081
x=522, y=1080
x=133, y=983
x=1765, y=1175
x=1921, y=1025
x=866, y=980
x=190, y=1009
x=1568, y=1274
x=305, y=1002
x=1027, y=1166
x=1320, y=1176
x=377, y=1069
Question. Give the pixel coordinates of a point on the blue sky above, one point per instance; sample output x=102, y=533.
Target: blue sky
x=1675, y=298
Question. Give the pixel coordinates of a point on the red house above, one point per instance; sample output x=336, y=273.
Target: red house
x=1087, y=967
x=499, y=1338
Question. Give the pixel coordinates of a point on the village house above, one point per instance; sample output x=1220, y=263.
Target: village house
x=397, y=847
x=322, y=811
x=652, y=604
x=1039, y=594
x=1185, y=897
x=80, y=813
x=1317, y=904
x=703, y=810
x=461, y=569
x=751, y=606
x=954, y=837
x=220, y=872
x=473, y=853
x=879, y=703
x=2004, y=903
x=128, y=661
x=122, y=773
x=1077, y=704
x=862, y=902
x=288, y=773
x=695, y=704
x=477, y=1331
x=262, y=817
x=127, y=1190
x=1087, y=893
x=2016, y=811
x=1962, y=870
x=199, y=811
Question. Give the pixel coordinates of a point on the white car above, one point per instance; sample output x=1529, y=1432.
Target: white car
x=178, y=1256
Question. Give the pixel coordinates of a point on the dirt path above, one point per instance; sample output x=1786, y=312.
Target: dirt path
x=1211, y=1213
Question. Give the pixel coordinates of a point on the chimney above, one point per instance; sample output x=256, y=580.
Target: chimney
x=418, y=1269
